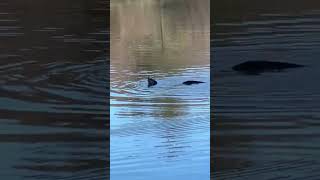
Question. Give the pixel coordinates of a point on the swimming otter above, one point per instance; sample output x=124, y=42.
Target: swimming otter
x=257, y=67
x=151, y=82
x=191, y=82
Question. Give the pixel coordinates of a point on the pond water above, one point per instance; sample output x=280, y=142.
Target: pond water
x=53, y=90
x=163, y=131
x=266, y=126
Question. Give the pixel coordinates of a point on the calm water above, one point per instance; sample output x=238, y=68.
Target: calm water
x=53, y=90
x=163, y=131
x=266, y=126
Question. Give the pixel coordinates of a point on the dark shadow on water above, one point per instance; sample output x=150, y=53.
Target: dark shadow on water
x=264, y=126
x=54, y=89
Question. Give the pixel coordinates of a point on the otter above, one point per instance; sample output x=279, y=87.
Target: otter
x=151, y=82
x=257, y=67
x=191, y=82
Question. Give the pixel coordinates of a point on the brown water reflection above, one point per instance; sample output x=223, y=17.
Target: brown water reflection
x=139, y=39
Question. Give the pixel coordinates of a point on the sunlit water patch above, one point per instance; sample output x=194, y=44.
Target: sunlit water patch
x=161, y=128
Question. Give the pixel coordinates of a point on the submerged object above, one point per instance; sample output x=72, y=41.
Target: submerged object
x=191, y=82
x=256, y=67
x=151, y=82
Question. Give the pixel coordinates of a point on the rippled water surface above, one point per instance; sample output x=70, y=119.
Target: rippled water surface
x=266, y=126
x=53, y=89
x=161, y=132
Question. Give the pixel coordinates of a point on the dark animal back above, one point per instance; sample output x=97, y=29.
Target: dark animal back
x=261, y=66
x=191, y=82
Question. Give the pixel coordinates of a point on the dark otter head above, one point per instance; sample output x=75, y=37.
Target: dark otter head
x=151, y=82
